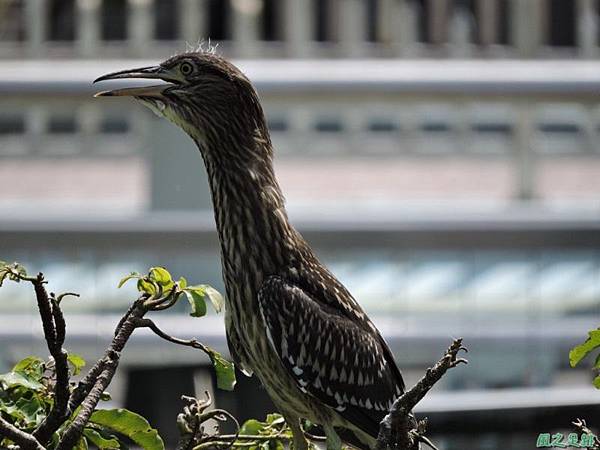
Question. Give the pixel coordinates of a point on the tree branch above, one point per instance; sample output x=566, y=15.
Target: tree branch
x=53, y=323
x=88, y=382
x=582, y=428
x=148, y=323
x=400, y=429
x=85, y=385
x=191, y=428
x=24, y=440
x=90, y=392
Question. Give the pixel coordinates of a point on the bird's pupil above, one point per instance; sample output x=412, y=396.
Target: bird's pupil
x=186, y=69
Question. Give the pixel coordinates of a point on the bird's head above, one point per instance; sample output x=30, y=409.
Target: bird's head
x=205, y=95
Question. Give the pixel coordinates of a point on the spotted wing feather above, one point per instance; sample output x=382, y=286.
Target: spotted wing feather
x=338, y=359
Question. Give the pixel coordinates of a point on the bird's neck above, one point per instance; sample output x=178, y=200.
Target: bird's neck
x=255, y=234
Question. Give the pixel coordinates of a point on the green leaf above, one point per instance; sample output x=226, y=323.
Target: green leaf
x=30, y=364
x=146, y=286
x=211, y=293
x=252, y=427
x=16, y=267
x=276, y=444
x=182, y=283
x=13, y=379
x=99, y=441
x=128, y=277
x=161, y=276
x=225, y=371
x=215, y=298
x=197, y=302
x=275, y=419
x=81, y=445
x=31, y=408
x=581, y=351
x=12, y=411
x=130, y=424
x=77, y=362
x=597, y=382
x=8, y=271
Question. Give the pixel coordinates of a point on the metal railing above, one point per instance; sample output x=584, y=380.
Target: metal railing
x=302, y=28
x=518, y=113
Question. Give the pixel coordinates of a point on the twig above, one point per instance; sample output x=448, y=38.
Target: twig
x=85, y=385
x=167, y=304
x=65, y=294
x=193, y=417
x=582, y=428
x=314, y=437
x=158, y=303
x=53, y=323
x=147, y=323
x=255, y=437
x=24, y=440
x=222, y=444
x=399, y=429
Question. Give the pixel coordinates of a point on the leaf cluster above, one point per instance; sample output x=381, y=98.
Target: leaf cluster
x=581, y=351
x=162, y=292
x=274, y=429
x=13, y=272
x=159, y=283
x=26, y=398
x=28, y=392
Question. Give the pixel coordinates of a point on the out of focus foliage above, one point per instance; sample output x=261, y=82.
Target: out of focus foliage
x=578, y=353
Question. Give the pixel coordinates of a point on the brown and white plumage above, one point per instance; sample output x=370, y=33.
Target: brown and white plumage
x=288, y=319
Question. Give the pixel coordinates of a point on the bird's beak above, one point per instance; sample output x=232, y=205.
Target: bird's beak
x=154, y=72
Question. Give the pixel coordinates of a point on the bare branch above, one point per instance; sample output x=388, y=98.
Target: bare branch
x=24, y=440
x=53, y=323
x=147, y=323
x=191, y=422
x=582, y=428
x=74, y=430
x=85, y=385
x=88, y=382
x=400, y=429
x=66, y=294
x=89, y=393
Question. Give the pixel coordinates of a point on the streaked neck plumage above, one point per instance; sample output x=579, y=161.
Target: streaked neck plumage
x=255, y=234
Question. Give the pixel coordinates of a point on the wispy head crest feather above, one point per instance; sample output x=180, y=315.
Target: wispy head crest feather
x=202, y=46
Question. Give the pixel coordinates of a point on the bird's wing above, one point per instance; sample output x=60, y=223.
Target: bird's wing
x=342, y=361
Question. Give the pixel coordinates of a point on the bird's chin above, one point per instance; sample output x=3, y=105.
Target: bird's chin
x=165, y=109
x=155, y=105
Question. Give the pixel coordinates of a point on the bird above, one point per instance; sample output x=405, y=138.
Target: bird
x=288, y=319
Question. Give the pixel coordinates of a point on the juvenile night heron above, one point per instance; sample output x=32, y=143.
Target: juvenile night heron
x=288, y=319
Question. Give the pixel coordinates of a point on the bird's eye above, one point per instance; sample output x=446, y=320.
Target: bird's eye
x=186, y=68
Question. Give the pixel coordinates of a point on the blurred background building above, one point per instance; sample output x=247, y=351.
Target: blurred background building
x=442, y=156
